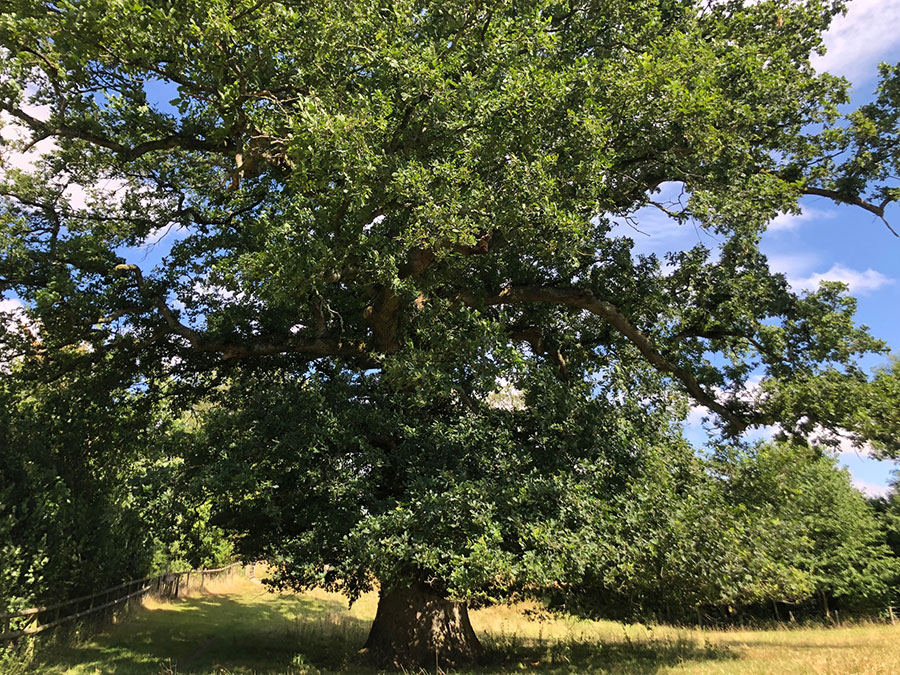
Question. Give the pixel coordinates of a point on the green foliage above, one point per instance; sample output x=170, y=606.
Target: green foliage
x=377, y=218
x=85, y=487
x=892, y=523
x=821, y=525
x=416, y=189
x=483, y=502
x=879, y=420
x=676, y=542
x=729, y=539
x=70, y=525
x=888, y=511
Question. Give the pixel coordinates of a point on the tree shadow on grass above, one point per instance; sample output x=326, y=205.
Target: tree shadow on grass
x=574, y=656
x=215, y=633
x=295, y=634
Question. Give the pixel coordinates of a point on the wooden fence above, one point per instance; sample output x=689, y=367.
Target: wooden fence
x=36, y=620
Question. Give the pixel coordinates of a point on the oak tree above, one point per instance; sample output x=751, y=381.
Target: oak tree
x=370, y=218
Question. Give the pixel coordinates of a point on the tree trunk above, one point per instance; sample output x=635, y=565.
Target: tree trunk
x=415, y=627
x=825, y=604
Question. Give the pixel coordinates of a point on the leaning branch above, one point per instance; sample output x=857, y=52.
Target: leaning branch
x=127, y=153
x=313, y=347
x=534, y=336
x=834, y=195
x=585, y=300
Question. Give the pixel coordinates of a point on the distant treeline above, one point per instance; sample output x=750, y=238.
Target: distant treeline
x=778, y=533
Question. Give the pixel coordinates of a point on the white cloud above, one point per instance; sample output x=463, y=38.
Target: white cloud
x=17, y=135
x=206, y=291
x=859, y=283
x=789, y=221
x=792, y=265
x=751, y=392
x=377, y=220
x=761, y=433
x=798, y=270
x=852, y=457
x=858, y=41
x=209, y=292
x=871, y=489
x=107, y=191
x=696, y=415
x=12, y=315
x=841, y=443
x=13, y=319
x=11, y=306
x=13, y=154
x=16, y=153
x=160, y=234
x=506, y=396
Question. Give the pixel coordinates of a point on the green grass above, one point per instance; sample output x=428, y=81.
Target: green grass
x=239, y=627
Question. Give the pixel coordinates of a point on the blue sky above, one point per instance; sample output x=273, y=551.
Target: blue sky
x=825, y=241
x=846, y=243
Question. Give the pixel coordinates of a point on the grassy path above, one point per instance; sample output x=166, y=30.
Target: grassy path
x=242, y=628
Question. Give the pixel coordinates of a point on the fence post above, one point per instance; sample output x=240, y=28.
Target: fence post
x=891, y=612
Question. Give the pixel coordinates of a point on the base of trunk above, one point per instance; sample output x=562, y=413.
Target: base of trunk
x=415, y=627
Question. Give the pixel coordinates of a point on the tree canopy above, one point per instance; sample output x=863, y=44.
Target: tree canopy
x=374, y=218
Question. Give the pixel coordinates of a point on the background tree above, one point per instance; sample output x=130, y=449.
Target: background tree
x=471, y=502
x=70, y=525
x=825, y=527
x=888, y=512
x=87, y=481
x=770, y=532
x=892, y=520
x=681, y=548
x=393, y=208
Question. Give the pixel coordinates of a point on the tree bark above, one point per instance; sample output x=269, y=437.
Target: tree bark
x=415, y=627
x=825, y=604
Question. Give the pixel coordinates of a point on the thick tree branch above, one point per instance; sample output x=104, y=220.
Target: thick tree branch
x=383, y=315
x=126, y=153
x=585, y=300
x=834, y=195
x=420, y=259
x=534, y=336
x=314, y=347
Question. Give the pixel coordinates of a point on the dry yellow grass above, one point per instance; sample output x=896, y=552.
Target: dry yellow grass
x=237, y=626
x=862, y=648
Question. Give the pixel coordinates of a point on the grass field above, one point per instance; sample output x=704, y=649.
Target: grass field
x=239, y=627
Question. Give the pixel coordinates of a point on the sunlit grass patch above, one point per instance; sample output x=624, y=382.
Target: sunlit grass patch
x=240, y=627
